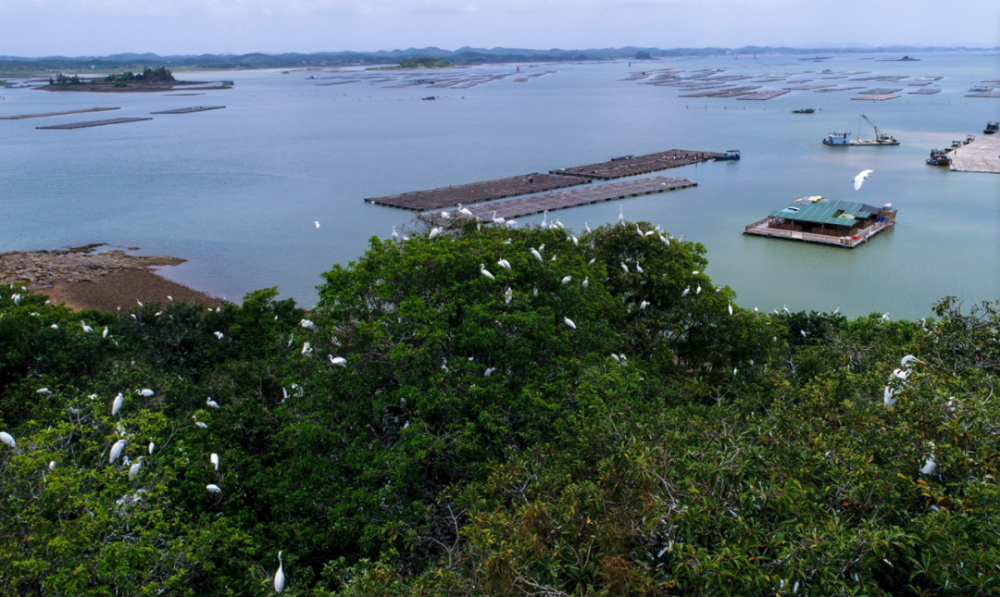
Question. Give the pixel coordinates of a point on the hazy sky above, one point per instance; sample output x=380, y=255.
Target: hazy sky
x=97, y=27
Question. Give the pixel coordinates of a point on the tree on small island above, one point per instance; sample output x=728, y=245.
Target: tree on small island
x=424, y=62
x=643, y=56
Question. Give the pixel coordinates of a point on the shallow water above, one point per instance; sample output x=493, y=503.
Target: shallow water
x=236, y=191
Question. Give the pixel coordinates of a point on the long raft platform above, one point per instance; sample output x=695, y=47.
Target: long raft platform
x=526, y=206
x=47, y=114
x=478, y=191
x=189, y=110
x=83, y=125
x=643, y=164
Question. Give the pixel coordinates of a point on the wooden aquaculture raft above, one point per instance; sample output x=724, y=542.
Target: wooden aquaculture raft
x=83, y=125
x=23, y=116
x=478, y=191
x=190, y=110
x=643, y=164
x=536, y=204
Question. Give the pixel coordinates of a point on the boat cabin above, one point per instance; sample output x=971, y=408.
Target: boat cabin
x=840, y=138
x=816, y=215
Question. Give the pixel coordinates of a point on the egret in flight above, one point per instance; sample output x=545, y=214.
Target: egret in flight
x=317, y=225
x=860, y=179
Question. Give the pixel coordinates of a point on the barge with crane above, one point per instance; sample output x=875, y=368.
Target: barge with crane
x=843, y=139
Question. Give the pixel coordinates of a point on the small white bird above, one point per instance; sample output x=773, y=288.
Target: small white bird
x=485, y=272
x=464, y=211
x=643, y=305
x=569, y=322
x=591, y=262
x=576, y=241
x=446, y=215
x=624, y=267
x=730, y=308
x=170, y=298
x=213, y=488
x=212, y=403
x=785, y=308
x=117, y=404
x=434, y=232
x=621, y=213
x=664, y=240
x=836, y=311
x=134, y=469
x=152, y=446
x=138, y=301
x=104, y=334
x=7, y=439
x=887, y=397
x=52, y=465
x=860, y=179
x=308, y=324
x=587, y=228
x=586, y=282
x=638, y=267
x=929, y=467
x=545, y=217
x=338, y=361
x=145, y=392
x=86, y=328
x=200, y=425
x=686, y=291
x=43, y=391
x=317, y=224
x=566, y=280
x=803, y=332
x=214, y=459
x=640, y=232
x=306, y=349
x=698, y=290
x=219, y=335
x=55, y=327
x=508, y=295
x=279, y=576
x=504, y=264
x=395, y=235
x=905, y=362
x=489, y=371
x=615, y=357
x=116, y=450
x=497, y=220
x=537, y=255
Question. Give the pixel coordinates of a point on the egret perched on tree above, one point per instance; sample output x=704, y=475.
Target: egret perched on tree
x=306, y=349
x=785, y=309
x=586, y=281
x=308, y=324
x=43, y=391
x=117, y=404
x=338, y=361
x=485, y=272
x=279, y=576
x=134, y=469
x=698, y=290
x=508, y=295
x=638, y=267
x=686, y=291
x=664, y=240
x=434, y=232
x=464, y=210
x=624, y=267
x=615, y=357
x=86, y=328
x=537, y=255
x=212, y=403
x=214, y=459
x=152, y=446
x=643, y=305
x=52, y=465
x=7, y=439
x=200, y=425
x=640, y=232
x=213, y=488
x=576, y=241
x=621, y=213
x=395, y=235
x=860, y=179
x=586, y=227
x=929, y=467
x=504, y=264
x=116, y=450
x=730, y=308
x=219, y=335
x=145, y=392
x=566, y=280
x=569, y=322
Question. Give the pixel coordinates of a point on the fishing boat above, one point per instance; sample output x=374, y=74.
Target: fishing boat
x=803, y=111
x=991, y=127
x=839, y=139
x=939, y=157
x=731, y=155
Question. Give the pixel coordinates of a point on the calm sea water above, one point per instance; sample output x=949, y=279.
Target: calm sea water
x=236, y=191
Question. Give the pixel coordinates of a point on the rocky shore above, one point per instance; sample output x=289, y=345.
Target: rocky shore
x=83, y=278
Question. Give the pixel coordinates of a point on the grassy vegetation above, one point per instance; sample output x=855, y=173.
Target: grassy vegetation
x=423, y=62
x=474, y=443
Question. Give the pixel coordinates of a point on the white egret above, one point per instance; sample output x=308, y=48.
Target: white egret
x=446, y=215
x=641, y=234
x=664, y=240
x=542, y=247
x=86, y=328
x=43, y=391
x=152, y=446
x=338, y=361
x=585, y=227
x=395, y=235
x=576, y=241
x=643, y=305
x=497, y=220
x=621, y=213
x=52, y=465
x=317, y=225
x=145, y=392
x=586, y=282
x=134, y=469
x=219, y=335
x=170, y=298
x=117, y=404
x=306, y=349
x=686, y=291
x=803, y=332
x=7, y=439
x=308, y=324
x=200, y=425
x=55, y=327
x=785, y=308
x=511, y=224
x=104, y=334
x=464, y=211
x=213, y=488
x=638, y=267
x=485, y=272
x=434, y=232
x=138, y=301
x=837, y=310
x=591, y=262
x=212, y=403
x=537, y=255
x=910, y=359
x=116, y=450
x=929, y=467
x=615, y=357
x=214, y=459
x=887, y=396
x=279, y=576
x=624, y=267
x=545, y=217
x=566, y=280
x=504, y=264
x=860, y=179
x=730, y=308
x=508, y=295
x=885, y=318
x=698, y=290
x=489, y=371
x=569, y=322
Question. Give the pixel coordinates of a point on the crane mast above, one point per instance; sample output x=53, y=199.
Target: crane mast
x=879, y=137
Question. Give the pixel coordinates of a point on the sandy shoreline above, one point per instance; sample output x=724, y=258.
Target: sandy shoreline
x=82, y=278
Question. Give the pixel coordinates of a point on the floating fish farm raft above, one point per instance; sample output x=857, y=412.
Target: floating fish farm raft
x=83, y=125
x=526, y=206
x=479, y=191
x=189, y=110
x=23, y=116
x=643, y=164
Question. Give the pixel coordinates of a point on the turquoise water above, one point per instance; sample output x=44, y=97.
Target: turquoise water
x=236, y=191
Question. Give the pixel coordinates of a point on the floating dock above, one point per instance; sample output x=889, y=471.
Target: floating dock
x=23, y=116
x=90, y=123
x=643, y=164
x=982, y=155
x=536, y=204
x=925, y=92
x=762, y=95
x=875, y=97
x=478, y=191
x=190, y=110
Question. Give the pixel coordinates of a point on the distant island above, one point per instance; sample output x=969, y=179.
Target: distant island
x=150, y=79
x=424, y=62
x=14, y=66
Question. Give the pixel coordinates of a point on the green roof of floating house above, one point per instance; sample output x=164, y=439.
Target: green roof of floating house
x=822, y=211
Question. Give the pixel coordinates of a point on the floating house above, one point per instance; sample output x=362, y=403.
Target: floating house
x=818, y=220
